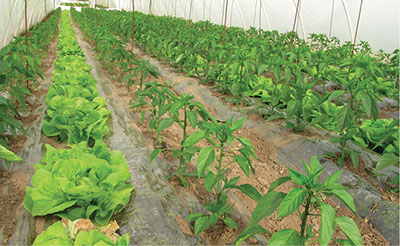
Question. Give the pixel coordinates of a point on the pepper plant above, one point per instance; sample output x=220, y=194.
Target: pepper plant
x=212, y=168
x=306, y=200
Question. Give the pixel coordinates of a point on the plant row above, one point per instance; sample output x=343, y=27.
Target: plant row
x=20, y=67
x=163, y=108
x=87, y=180
x=292, y=82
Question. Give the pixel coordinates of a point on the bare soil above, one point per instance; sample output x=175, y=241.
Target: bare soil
x=12, y=192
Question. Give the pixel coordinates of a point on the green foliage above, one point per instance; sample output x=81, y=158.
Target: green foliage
x=79, y=183
x=220, y=136
x=19, y=66
x=308, y=195
x=57, y=234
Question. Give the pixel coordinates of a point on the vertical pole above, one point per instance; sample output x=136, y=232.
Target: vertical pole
x=45, y=8
x=26, y=39
x=294, y=23
x=259, y=18
x=330, y=25
x=54, y=4
x=190, y=10
x=175, y=9
x=358, y=22
x=223, y=10
x=148, y=17
x=226, y=14
x=204, y=9
x=96, y=11
x=133, y=24
x=255, y=14
x=209, y=15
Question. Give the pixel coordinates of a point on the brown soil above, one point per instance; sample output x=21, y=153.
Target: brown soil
x=12, y=192
x=266, y=171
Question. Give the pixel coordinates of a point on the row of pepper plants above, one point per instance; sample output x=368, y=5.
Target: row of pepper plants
x=224, y=150
x=20, y=67
x=292, y=82
x=87, y=180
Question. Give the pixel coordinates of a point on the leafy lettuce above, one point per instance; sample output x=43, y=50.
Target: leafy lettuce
x=76, y=119
x=57, y=234
x=81, y=182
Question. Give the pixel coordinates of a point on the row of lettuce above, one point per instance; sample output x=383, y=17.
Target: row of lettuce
x=20, y=67
x=162, y=109
x=86, y=181
x=292, y=82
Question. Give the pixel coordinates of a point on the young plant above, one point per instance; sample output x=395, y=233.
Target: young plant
x=307, y=200
x=359, y=103
x=221, y=138
x=142, y=67
x=161, y=100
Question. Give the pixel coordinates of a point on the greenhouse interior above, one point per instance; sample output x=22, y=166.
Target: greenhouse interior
x=207, y=122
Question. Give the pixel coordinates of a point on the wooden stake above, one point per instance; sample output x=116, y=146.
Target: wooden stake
x=223, y=10
x=96, y=11
x=294, y=23
x=190, y=10
x=133, y=23
x=358, y=22
x=226, y=14
x=259, y=18
x=330, y=25
x=204, y=9
x=148, y=17
x=26, y=39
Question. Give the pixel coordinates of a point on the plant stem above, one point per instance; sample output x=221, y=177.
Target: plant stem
x=221, y=152
x=304, y=217
x=182, y=159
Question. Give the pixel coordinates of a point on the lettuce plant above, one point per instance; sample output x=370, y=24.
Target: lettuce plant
x=57, y=234
x=80, y=182
x=76, y=119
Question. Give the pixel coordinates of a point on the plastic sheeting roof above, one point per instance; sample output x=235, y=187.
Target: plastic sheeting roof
x=12, y=16
x=379, y=22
